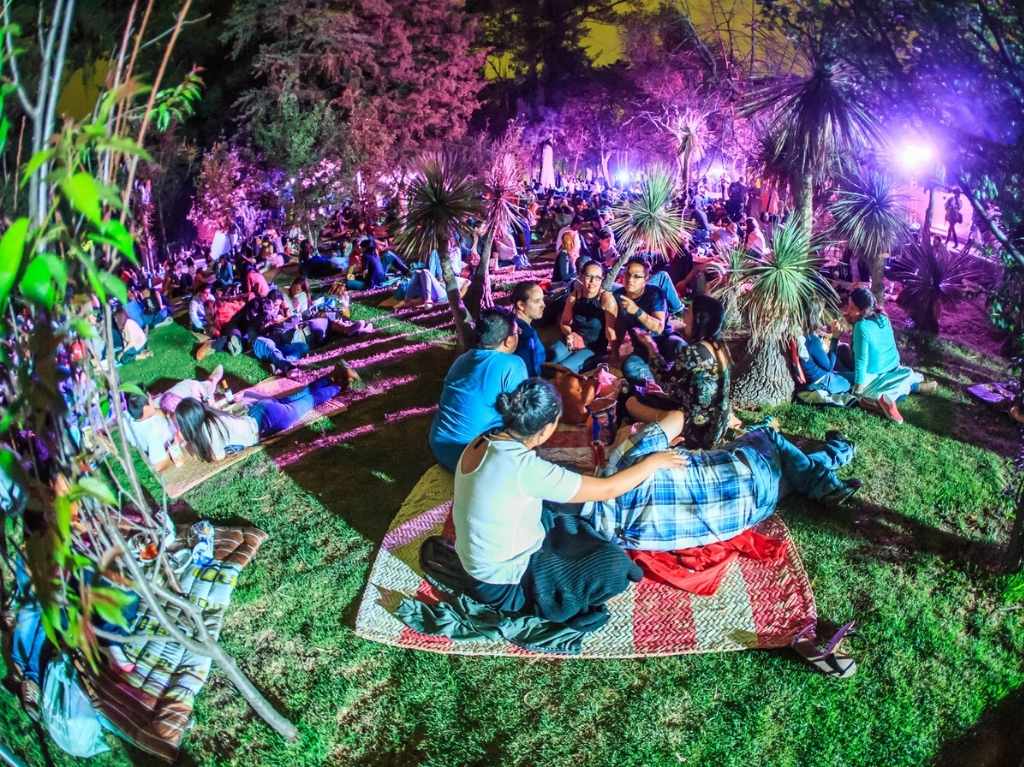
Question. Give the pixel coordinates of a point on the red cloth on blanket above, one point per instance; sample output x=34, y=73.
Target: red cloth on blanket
x=700, y=570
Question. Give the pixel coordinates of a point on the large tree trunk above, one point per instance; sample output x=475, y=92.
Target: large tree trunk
x=764, y=377
x=878, y=276
x=686, y=177
x=451, y=286
x=478, y=296
x=804, y=201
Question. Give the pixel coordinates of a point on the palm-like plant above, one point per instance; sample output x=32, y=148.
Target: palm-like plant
x=649, y=221
x=783, y=289
x=726, y=278
x=818, y=125
x=934, y=278
x=871, y=216
x=442, y=198
x=501, y=211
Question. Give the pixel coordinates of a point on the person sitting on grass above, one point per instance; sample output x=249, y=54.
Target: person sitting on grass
x=640, y=308
x=878, y=378
x=696, y=380
x=528, y=304
x=584, y=341
x=212, y=434
x=819, y=355
x=566, y=262
x=130, y=339
x=468, y=398
x=519, y=557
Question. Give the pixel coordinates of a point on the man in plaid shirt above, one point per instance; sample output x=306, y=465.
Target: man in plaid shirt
x=719, y=493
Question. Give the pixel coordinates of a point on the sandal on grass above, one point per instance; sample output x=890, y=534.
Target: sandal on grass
x=30, y=695
x=829, y=658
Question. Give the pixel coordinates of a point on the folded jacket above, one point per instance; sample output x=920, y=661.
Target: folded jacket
x=699, y=570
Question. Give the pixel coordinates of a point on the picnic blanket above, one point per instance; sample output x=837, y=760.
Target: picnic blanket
x=151, y=707
x=759, y=604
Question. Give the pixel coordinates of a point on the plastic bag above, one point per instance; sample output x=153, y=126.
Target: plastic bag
x=68, y=714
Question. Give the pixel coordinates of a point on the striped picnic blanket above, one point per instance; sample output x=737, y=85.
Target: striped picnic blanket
x=759, y=604
x=151, y=707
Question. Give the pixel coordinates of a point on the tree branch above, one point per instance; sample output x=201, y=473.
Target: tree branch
x=30, y=109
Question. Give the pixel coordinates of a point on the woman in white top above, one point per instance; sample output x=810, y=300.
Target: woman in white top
x=755, y=240
x=501, y=484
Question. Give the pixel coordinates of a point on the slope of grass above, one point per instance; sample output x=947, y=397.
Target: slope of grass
x=936, y=647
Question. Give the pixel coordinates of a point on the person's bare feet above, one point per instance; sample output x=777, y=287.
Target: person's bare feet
x=216, y=375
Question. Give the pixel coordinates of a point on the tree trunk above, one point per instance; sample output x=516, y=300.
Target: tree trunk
x=613, y=273
x=478, y=296
x=878, y=276
x=451, y=286
x=764, y=377
x=929, y=215
x=605, y=157
x=686, y=176
x=804, y=201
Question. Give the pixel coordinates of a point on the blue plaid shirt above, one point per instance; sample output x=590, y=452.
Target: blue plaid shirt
x=717, y=495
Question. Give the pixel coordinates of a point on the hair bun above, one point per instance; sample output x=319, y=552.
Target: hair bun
x=504, y=403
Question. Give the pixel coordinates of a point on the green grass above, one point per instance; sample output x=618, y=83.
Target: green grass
x=937, y=645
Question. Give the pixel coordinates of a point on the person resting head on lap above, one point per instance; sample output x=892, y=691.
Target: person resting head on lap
x=713, y=495
x=212, y=434
x=514, y=561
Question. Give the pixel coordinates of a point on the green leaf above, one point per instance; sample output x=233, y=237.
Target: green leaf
x=130, y=388
x=96, y=488
x=84, y=329
x=120, y=238
x=5, y=126
x=12, y=247
x=83, y=192
x=45, y=279
x=109, y=604
x=125, y=145
x=34, y=163
x=114, y=285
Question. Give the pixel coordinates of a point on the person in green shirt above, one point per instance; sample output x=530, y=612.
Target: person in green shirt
x=878, y=378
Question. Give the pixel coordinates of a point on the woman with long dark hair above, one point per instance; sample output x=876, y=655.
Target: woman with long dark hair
x=878, y=378
x=697, y=380
x=211, y=434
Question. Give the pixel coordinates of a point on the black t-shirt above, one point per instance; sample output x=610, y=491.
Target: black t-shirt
x=588, y=321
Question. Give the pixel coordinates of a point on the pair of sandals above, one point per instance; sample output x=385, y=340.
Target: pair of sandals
x=831, y=658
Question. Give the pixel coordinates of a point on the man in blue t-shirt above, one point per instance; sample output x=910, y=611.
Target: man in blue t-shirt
x=528, y=304
x=471, y=388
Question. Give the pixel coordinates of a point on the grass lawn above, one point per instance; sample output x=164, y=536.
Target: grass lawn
x=936, y=648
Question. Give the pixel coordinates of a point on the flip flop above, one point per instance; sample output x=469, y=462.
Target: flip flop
x=829, y=658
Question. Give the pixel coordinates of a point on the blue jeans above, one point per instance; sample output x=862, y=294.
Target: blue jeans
x=274, y=415
x=635, y=367
x=560, y=354
x=832, y=382
x=264, y=349
x=780, y=467
x=663, y=281
x=392, y=259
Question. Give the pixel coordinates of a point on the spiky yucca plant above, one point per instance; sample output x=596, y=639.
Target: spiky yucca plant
x=783, y=288
x=871, y=216
x=647, y=221
x=934, y=278
x=726, y=278
x=501, y=212
x=442, y=197
x=818, y=125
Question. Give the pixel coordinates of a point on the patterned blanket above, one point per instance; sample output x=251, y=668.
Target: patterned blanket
x=151, y=707
x=757, y=605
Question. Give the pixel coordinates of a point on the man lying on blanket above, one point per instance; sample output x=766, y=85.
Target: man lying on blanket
x=717, y=494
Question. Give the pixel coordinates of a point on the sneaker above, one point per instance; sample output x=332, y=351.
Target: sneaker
x=927, y=387
x=165, y=321
x=888, y=408
x=843, y=493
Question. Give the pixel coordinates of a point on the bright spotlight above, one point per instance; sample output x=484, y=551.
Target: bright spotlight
x=915, y=155
x=622, y=177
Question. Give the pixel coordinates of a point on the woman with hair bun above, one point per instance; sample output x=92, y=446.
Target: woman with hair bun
x=878, y=377
x=515, y=562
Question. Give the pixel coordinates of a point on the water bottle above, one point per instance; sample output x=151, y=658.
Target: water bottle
x=202, y=548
